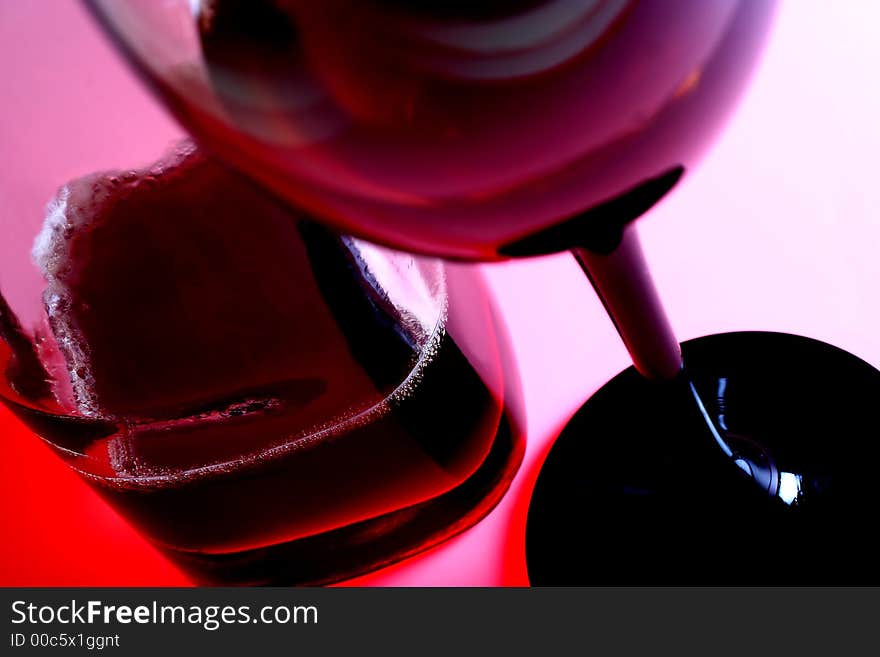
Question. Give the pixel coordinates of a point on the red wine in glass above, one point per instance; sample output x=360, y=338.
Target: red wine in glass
x=266, y=401
x=454, y=128
x=501, y=129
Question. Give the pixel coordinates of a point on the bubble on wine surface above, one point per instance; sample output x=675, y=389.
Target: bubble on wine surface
x=187, y=308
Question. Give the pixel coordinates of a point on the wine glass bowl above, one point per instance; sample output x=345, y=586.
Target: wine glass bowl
x=455, y=129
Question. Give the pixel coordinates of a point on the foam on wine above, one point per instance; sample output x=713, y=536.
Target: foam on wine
x=65, y=250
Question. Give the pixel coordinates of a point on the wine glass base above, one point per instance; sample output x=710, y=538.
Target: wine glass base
x=639, y=490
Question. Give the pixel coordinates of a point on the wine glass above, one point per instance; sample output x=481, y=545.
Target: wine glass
x=507, y=129
x=267, y=402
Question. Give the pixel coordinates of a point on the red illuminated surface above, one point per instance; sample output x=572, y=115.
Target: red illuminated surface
x=781, y=221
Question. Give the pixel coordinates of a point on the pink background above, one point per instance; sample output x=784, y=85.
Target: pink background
x=777, y=230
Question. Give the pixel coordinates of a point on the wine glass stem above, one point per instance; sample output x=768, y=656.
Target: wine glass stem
x=623, y=283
